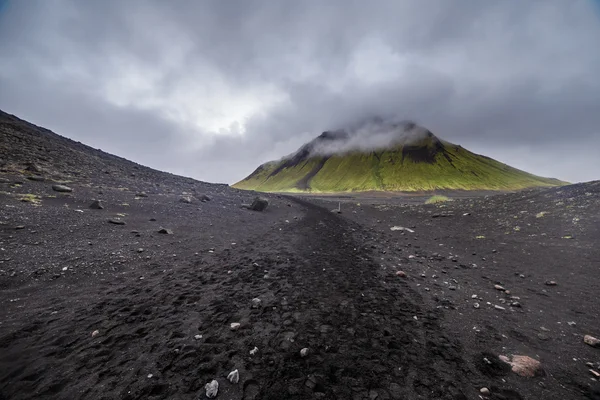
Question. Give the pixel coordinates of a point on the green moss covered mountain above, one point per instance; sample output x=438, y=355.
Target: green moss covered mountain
x=413, y=160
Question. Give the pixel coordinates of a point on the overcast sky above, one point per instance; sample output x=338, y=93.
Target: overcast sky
x=212, y=89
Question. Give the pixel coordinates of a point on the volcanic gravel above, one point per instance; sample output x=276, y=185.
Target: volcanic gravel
x=95, y=310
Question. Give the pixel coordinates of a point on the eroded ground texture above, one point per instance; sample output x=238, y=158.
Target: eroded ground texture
x=92, y=309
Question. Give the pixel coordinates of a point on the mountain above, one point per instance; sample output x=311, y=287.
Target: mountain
x=386, y=156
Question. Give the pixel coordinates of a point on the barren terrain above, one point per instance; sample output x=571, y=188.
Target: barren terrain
x=92, y=309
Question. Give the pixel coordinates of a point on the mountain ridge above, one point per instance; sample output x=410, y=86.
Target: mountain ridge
x=412, y=159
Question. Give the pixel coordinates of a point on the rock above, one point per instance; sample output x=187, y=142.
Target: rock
x=95, y=333
x=256, y=302
x=499, y=308
x=551, y=283
x=36, y=178
x=523, y=365
x=592, y=341
x=141, y=194
x=61, y=188
x=476, y=305
x=204, y=198
x=96, y=205
x=304, y=352
x=212, y=388
x=33, y=167
x=140, y=250
x=234, y=376
x=401, y=274
x=259, y=204
x=165, y=231
x=499, y=287
x=116, y=221
x=186, y=200
x=401, y=228
x=235, y=326
x=197, y=337
x=19, y=227
x=484, y=391
x=254, y=351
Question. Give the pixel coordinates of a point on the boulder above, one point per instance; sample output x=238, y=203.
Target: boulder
x=259, y=204
x=116, y=221
x=165, y=231
x=96, y=205
x=204, y=198
x=523, y=365
x=592, y=341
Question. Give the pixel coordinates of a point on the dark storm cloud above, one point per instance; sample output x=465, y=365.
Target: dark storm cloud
x=211, y=89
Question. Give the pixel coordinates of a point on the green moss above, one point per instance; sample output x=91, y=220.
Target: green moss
x=453, y=169
x=437, y=199
x=31, y=198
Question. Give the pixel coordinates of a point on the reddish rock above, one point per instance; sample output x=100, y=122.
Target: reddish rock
x=523, y=365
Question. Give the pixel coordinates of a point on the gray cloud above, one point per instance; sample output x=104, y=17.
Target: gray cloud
x=211, y=89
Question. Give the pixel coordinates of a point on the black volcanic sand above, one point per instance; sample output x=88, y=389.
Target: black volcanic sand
x=94, y=310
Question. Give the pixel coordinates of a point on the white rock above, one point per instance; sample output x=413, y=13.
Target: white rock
x=256, y=302
x=254, y=351
x=499, y=308
x=484, y=391
x=401, y=228
x=234, y=376
x=95, y=333
x=235, y=326
x=304, y=352
x=198, y=337
x=212, y=388
x=592, y=341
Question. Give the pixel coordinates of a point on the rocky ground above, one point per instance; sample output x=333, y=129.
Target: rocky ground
x=303, y=302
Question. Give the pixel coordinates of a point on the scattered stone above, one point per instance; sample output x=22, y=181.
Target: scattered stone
x=571, y=323
x=235, y=326
x=551, y=283
x=595, y=373
x=197, y=337
x=36, y=178
x=516, y=304
x=499, y=287
x=150, y=376
x=234, y=376
x=95, y=333
x=141, y=194
x=476, y=305
x=140, y=250
x=304, y=352
x=256, y=302
x=592, y=341
x=499, y=308
x=401, y=228
x=19, y=227
x=523, y=365
x=204, y=198
x=254, y=351
x=401, y=274
x=61, y=189
x=186, y=200
x=116, y=221
x=485, y=391
x=212, y=388
x=165, y=231
x=96, y=205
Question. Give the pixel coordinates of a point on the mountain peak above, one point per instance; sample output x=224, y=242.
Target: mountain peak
x=379, y=154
